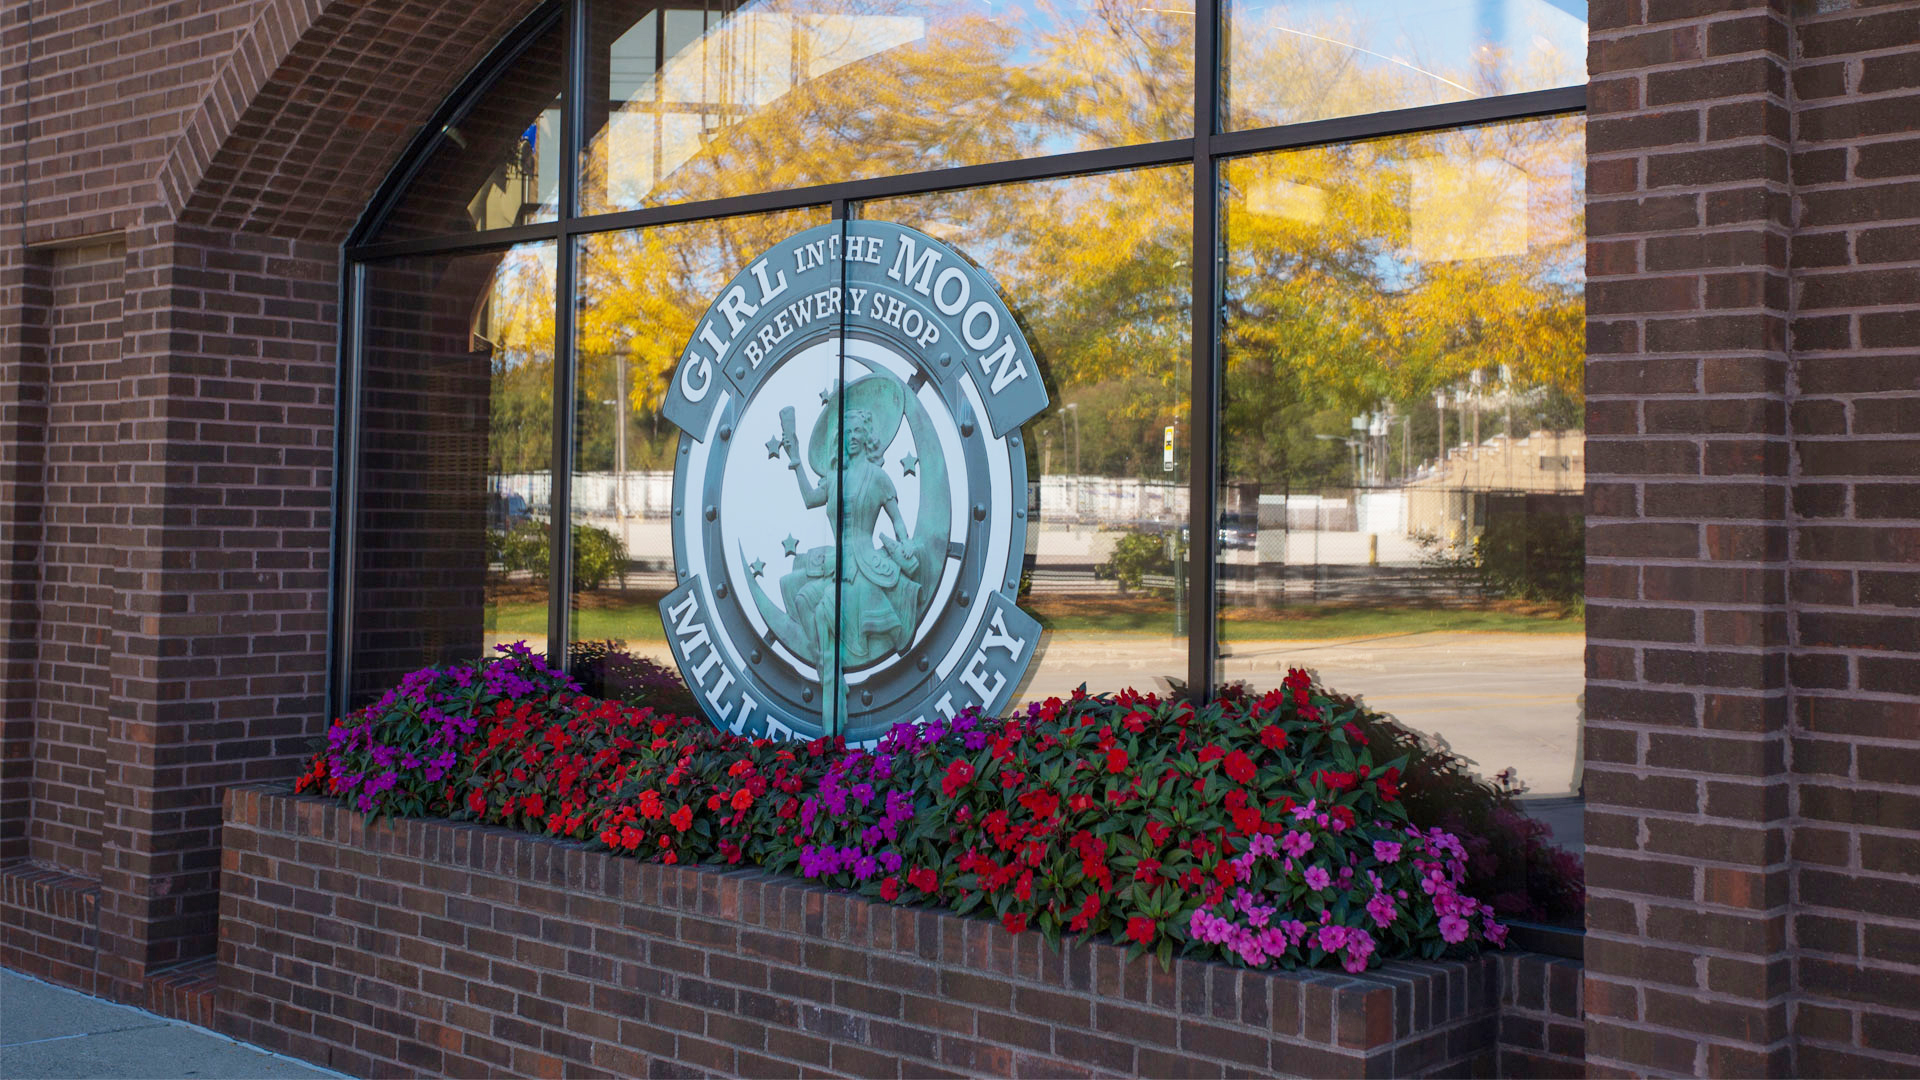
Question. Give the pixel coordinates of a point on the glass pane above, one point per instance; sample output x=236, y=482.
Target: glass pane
x=456, y=447
x=496, y=165
x=1096, y=270
x=1402, y=444
x=1288, y=61
x=640, y=293
x=698, y=103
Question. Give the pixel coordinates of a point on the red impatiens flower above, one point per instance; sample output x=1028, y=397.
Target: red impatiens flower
x=1337, y=781
x=682, y=818
x=1246, y=819
x=1117, y=759
x=1240, y=767
x=890, y=889
x=1140, y=928
x=959, y=774
x=1273, y=737
x=1088, y=912
x=923, y=878
x=1014, y=921
x=742, y=799
x=1040, y=803
x=1388, y=785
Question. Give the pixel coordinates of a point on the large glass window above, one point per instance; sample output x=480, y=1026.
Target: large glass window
x=1357, y=345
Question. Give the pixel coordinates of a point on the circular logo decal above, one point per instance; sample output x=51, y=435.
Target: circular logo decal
x=850, y=492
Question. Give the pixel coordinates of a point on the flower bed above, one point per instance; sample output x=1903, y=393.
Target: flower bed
x=1260, y=830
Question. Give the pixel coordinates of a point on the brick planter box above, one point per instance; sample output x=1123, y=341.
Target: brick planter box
x=423, y=946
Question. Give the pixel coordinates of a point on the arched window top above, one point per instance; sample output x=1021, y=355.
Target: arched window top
x=681, y=104
x=494, y=163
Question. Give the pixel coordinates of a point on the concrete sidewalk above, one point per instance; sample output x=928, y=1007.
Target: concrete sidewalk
x=49, y=1031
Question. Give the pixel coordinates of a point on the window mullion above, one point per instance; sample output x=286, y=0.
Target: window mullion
x=560, y=501
x=1202, y=453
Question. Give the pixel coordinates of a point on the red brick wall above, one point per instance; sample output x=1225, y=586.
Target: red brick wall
x=1753, y=382
x=1751, y=756
x=164, y=526
x=416, y=947
x=1855, y=582
x=1541, y=1026
x=76, y=576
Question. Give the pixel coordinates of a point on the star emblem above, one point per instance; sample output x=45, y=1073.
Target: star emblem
x=908, y=464
x=791, y=545
x=758, y=567
x=773, y=447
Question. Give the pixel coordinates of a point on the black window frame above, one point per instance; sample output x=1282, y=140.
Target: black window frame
x=1203, y=151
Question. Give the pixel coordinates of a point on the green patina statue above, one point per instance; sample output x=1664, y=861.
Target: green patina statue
x=856, y=602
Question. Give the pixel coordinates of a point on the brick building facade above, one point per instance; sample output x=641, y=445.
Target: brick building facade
x=177, y=183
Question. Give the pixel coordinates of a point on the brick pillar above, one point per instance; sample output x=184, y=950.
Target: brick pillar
x=223, y=486
x=1855, y=585
x=1688, y=966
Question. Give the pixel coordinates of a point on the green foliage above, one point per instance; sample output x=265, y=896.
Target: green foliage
x=1519, y=556
x=1135, y=555
x=1534, y=556
x=598, y=555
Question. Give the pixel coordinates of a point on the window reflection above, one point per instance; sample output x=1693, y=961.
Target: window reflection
x=1402, y=445
x=455, y=458
x=1289, y=61
x=640, y=293
x=497, y=164
x=688, y=103
x=1096, y=269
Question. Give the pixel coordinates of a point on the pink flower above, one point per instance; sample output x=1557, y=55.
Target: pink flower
x=1497, y=934
x=1359, y=948
x=1296, y=844
x=1381, y=910
x=1317, y=878
x=1386, y=851
x=1453, y=929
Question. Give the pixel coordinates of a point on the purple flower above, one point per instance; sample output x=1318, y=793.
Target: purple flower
x=1386, y=851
